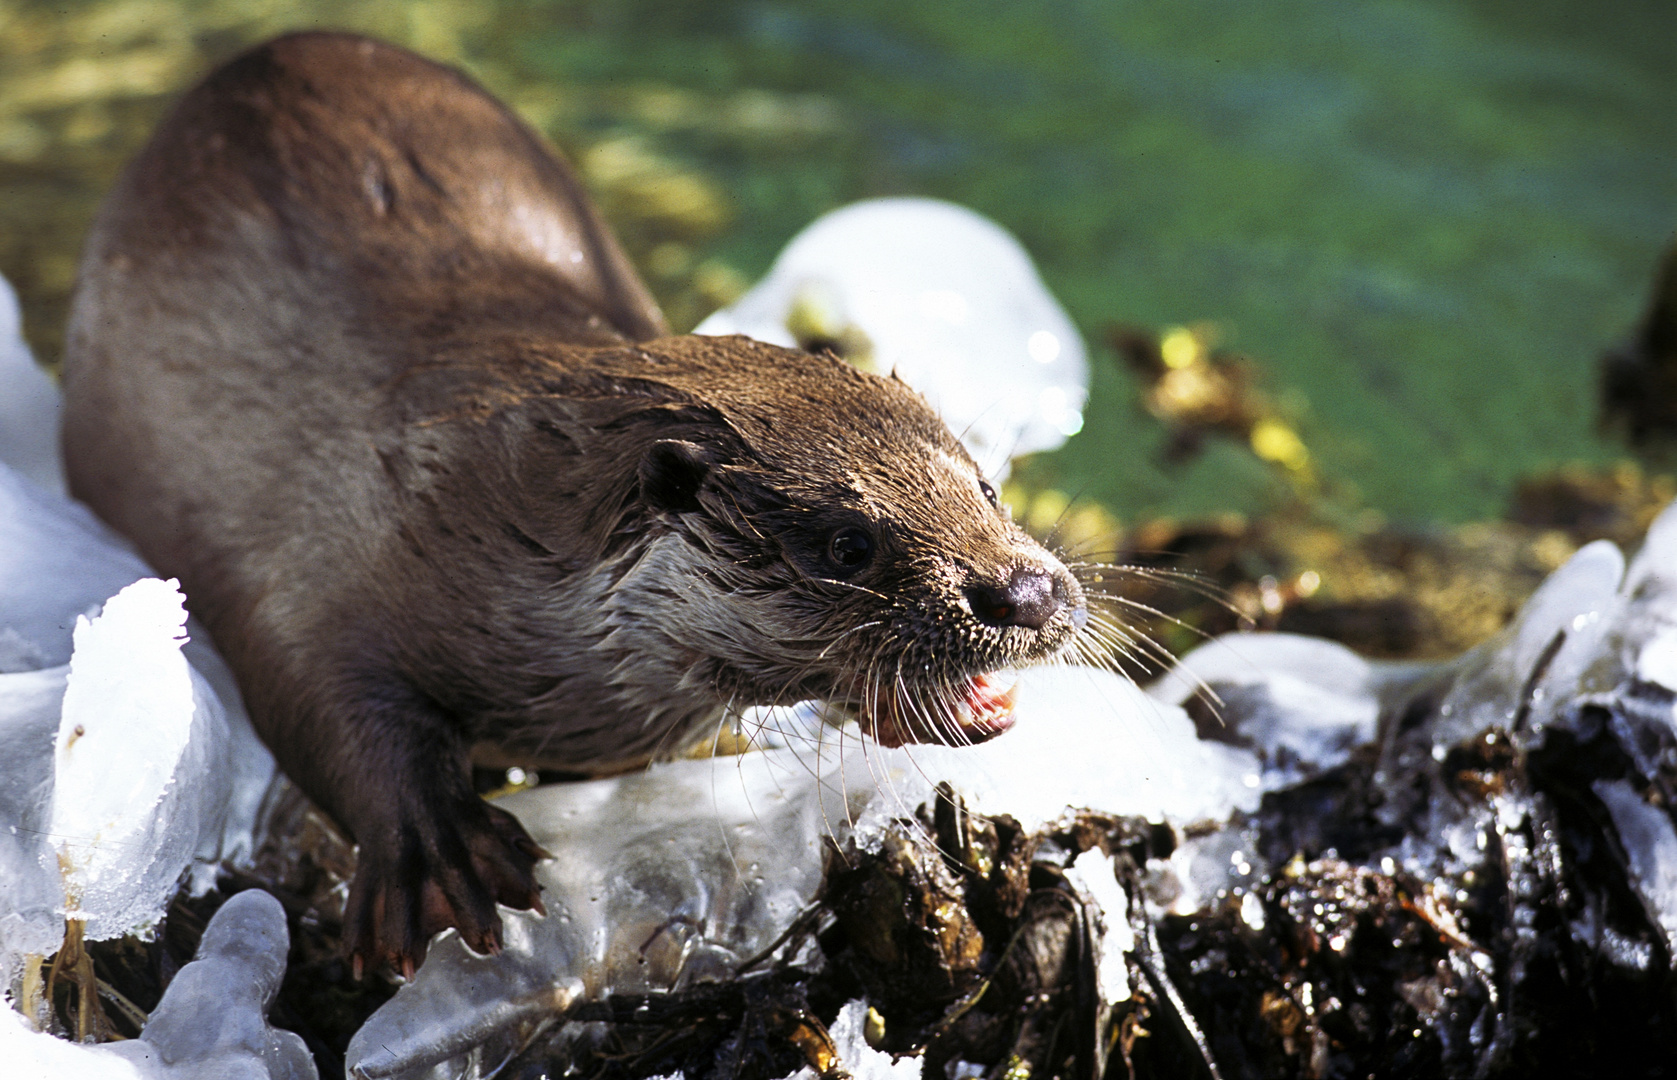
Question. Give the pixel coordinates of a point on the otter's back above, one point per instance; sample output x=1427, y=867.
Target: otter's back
x=308, y=227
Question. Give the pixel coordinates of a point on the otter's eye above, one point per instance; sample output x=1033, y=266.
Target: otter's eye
x=850, y=549
x=989, y=492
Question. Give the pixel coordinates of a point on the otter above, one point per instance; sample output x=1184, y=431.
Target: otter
x=352, y=355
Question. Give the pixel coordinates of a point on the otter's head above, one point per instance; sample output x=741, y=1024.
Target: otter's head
x=829, y=538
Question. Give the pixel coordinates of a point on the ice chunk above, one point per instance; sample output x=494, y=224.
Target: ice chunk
x=119, y=774
x=1090, y=739
x=212, y=1021
x=211, y=1024
x=1302, y=703
x=1650, y=845
x=659, y=879
x=31, y=893
x=1538, y=660
x=31, y=1055
x=1253, y=657
x=1657, y=662
x=944, y=297
x=140, y=766
x=1093, y=876
x=57, y=561
x=1644, y=633
x=1208, y=865
x=1594, y=631
x=29, y=404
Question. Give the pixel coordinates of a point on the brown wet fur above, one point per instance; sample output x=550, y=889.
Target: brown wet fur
x=353, y=356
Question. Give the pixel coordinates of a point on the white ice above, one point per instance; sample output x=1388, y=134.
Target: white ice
x=1090, y=739
x=1302, y=703
x=57, y=563
x=1650, y=845
x=1094, y=876
x=946, y=298
x=1642, y=634
x=31, y=892
x=141, y=771
x=211, y=1024
x=124, y=770
x=128, y=753
x=1557, y=644
x=1618, y=654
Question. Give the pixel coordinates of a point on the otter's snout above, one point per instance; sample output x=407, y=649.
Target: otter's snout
x=1030, y=598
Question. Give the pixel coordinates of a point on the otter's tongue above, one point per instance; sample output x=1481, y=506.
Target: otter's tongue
x=984, y=709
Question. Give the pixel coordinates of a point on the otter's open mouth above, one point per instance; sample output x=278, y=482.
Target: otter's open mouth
x=982, y=708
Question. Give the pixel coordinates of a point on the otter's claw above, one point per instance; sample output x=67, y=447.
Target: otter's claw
x=437, y=868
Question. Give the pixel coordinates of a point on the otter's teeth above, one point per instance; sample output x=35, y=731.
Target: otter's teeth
x=986, y=709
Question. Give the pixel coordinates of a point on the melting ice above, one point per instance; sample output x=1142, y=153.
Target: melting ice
x=210, y=1025
x=944, y=297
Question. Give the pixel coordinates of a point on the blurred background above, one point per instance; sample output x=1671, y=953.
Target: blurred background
x=1351, y=265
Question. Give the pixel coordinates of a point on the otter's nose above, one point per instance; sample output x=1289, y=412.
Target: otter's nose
x=1030, y=598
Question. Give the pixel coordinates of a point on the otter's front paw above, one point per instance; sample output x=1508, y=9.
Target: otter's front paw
x=438, y=866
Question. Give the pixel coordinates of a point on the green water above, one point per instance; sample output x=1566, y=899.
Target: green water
x=1425, y=218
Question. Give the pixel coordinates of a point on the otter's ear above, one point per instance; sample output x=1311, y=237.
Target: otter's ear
x=672, y=473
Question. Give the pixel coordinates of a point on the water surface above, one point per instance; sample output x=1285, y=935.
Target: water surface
x=1426, y=218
